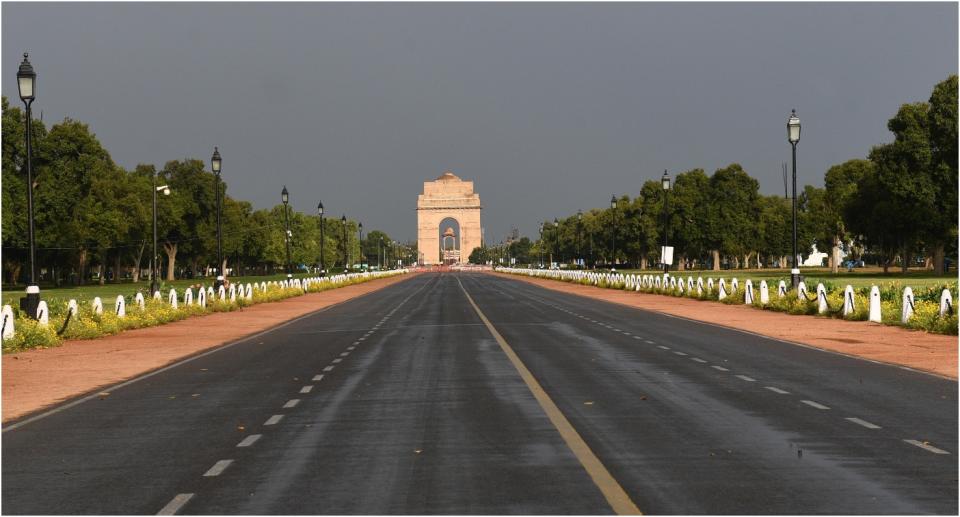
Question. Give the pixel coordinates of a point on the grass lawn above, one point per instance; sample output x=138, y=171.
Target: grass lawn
x=861, y=277
x=108, y=292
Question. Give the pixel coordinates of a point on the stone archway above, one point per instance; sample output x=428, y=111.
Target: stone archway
x=448, y=196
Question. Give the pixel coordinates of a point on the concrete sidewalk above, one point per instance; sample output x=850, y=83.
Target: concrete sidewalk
x=934, y=353
x=36, y=379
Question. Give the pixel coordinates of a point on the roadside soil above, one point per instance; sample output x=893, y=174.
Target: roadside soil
x=35, y=379
x=935, y=353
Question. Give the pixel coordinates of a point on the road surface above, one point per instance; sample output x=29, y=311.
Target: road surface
x=475, y=394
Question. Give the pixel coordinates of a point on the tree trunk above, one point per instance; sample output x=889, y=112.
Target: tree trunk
x=171, y=250
x=746, y=260
x=681, y=263
x=644, y=264
x=116, y=267
x=905, y=260
x=102, y=272
x=139, y=259
x=716, y=260
x=938, y=259
x=223, y=267
x=82, y=265
x=835, y=255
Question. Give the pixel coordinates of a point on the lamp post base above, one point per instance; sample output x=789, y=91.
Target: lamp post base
x=795, y=278
x=218, y=283
x=30, y=302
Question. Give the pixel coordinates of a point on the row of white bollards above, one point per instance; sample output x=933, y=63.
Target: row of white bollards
x=230, y=294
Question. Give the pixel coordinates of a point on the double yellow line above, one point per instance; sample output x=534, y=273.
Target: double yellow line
x=612, y=491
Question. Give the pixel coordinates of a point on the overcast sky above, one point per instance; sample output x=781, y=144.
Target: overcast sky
x=547, y=107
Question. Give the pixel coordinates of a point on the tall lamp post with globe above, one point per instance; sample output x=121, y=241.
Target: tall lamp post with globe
x=285, y=197
x=215, y=163
x=27, y=85
x=154, y=262
x=793, y=136
x=667, y=254
x=613, y=208
x=323, y=267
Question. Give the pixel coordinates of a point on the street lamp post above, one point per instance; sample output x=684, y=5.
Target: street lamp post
x=665, y=183
x=363, y=256
x=541, y=246
x=215, y=163
x=579, y=231
x=613, y=206
x=556, y=240
x=154, y=261
x=343, y=224
x=27, y=83
x=323, y=267
x=793, y=136
x=285, y=196
x=379, y=255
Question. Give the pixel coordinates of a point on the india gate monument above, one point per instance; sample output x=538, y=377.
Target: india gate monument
x=448, y=206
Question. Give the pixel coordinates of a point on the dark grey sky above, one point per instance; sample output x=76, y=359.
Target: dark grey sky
x=547, y=107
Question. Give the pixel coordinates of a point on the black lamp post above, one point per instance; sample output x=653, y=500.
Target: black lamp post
x=579, y=231
x=285, y=196
x=343, y=224
x=363, y=255
x=665, y=183
x=323, y=267
x=379, y=255
x=154, y=261
x=541, y=246
x=613, y=206
x=27, y=84
x=793, y=136
x=215, y=163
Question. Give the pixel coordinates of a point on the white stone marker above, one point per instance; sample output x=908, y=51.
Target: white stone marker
x=723, y=290
x=821, y=299
x=221, y=293
x=907, y=311
x=709, y=285
x=202, y=297
x=781, y=289
x=97, y=305
x=875, y=304
x=802, y=291
x=946, y=302
x=249, y=294
x=141, y=303
x=72, y=308
x=188, y=296
x=233, y=293
x=764, y=293
x=120, y=306
x=157, y=295
x=748, y=293
x=172, y=298
x=848, y=304
x=208, y=295
x=7, y=332
x=734, y=285
x=43, y=313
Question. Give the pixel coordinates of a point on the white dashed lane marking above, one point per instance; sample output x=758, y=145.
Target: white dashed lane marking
x=250, y=440
x=651, y=342
x=274, y=420
x=306, y=389
x=722, y=369
x=351, y=347
x=291, y=403
x=864, y=423
x=328, y=369
x=927, y=447
x=318, y=377
x=175, y=504
x=680, y=353
x=777, y=390
x=697, y=359
x=746, y=378
x=337, y=360
x=663, y=347
x=814, y=404
x=217, y=468
x=344, y=354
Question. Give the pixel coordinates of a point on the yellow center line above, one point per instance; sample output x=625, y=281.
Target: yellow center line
x=611, y=489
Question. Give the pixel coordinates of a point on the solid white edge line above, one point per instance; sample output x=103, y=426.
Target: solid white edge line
x=175, y=504
x=217, y=468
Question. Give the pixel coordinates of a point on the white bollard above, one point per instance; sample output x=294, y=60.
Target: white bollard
x=848, y=305
x=802, y=291
x=689, y=284
x=699, y=286
x=723, y=290
x=781, y=289
x=875, y=304
x=172, y=298
x=202, y=297
x=7, y=331
x=43, y=313
x=120, y=307
x=821, y=299
x=141, y=303
x=709, y=285
x=907, y=311
x=233, y=293
x=157, y=296
x=72, y=308
x=748, y=293
x=221, y=293
x=946, y=302
x=764, y=293
x=249, y=293
x=734, y=285
x=97, y=305
x=188, y=297
x=208, y=295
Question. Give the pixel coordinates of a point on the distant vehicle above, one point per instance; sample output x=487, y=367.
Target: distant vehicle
x=850, y=264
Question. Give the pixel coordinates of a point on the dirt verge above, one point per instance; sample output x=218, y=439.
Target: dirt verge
x=933, y=353
x=35, y=379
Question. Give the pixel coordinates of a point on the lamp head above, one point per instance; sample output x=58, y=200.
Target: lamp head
x=613, y=202
x=793, y=127
x=284, y=195
x=26, y=80
x=665, y=180
x=320, y=209
x=215, y=162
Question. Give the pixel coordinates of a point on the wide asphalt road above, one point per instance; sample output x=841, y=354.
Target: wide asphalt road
x=478, y=394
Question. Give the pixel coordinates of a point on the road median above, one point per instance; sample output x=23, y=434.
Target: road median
x=40, y=378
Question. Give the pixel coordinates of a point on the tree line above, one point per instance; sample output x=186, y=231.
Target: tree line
x=897, y=202
x=93, y=218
